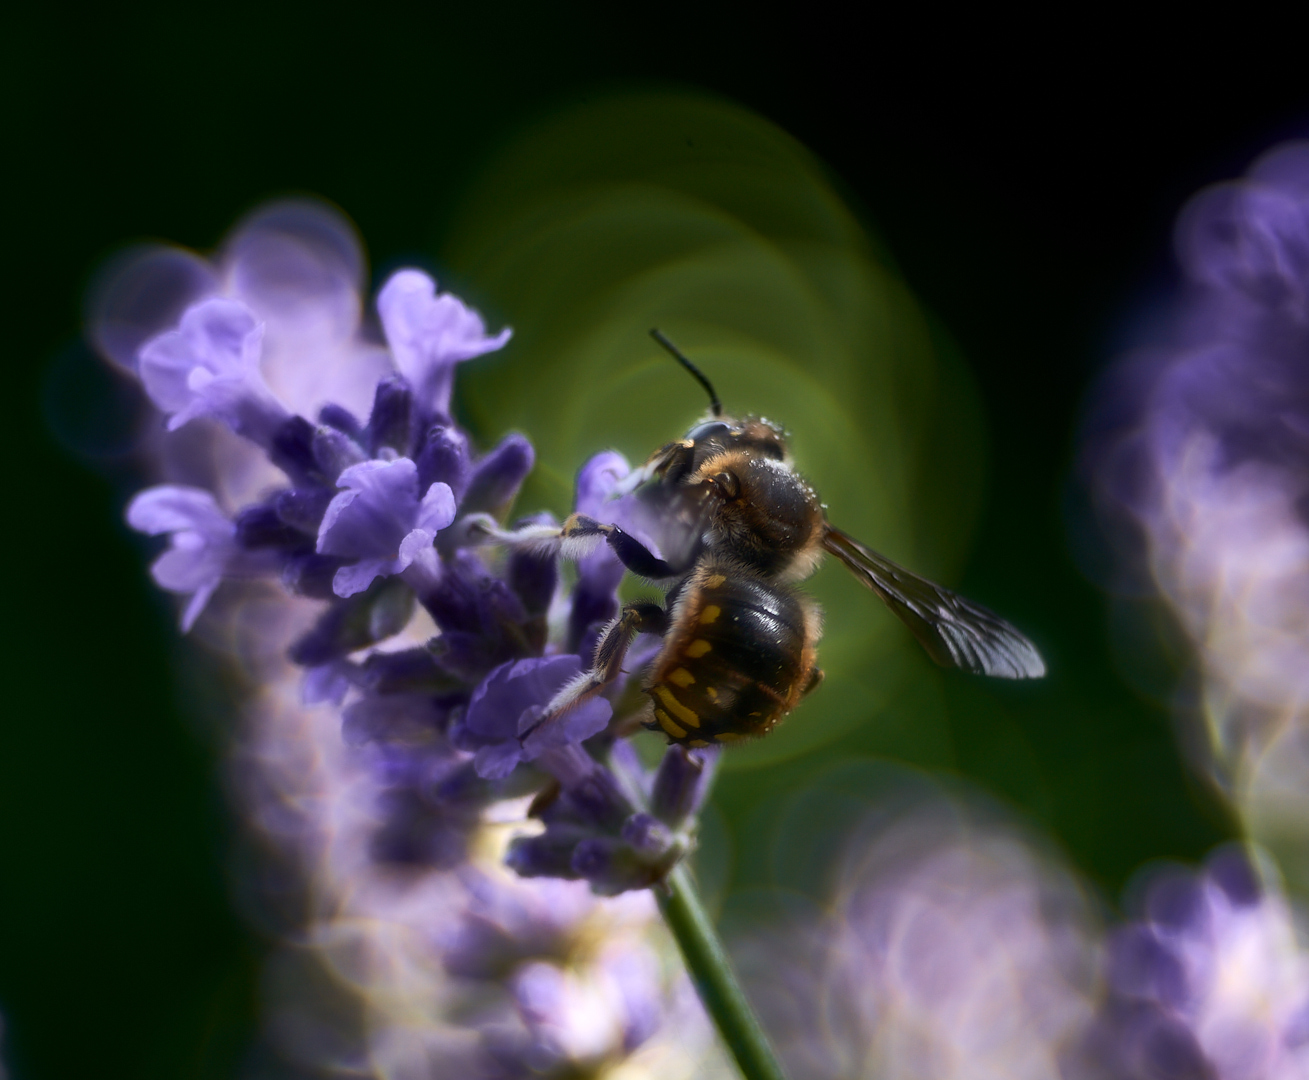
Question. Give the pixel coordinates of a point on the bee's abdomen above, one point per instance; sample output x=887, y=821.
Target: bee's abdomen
x=735, y=661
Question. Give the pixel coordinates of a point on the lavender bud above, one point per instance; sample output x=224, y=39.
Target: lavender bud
x=498, y=476
x=407, y=671
x=547, y=855
x=533, y=576
x=292, y=450
x=311, y=575
x=389, y=423
x=263, y=527
x=678, y=785
x=333, y=415
x=303, y=508
x=334, y=452
x=444, y=458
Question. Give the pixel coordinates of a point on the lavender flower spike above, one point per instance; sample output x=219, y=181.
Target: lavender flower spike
x=202, y=544
x=209, y=366
x=429, y=333
x=379, y=520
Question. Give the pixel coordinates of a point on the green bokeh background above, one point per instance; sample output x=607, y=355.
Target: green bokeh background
x=914, y=246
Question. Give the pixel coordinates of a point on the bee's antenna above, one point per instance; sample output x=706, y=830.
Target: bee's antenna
x=715, y=405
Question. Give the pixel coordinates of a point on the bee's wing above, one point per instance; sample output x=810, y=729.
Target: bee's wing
x=954, y=631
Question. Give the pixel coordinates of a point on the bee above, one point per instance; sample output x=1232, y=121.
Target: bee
x=739, y=528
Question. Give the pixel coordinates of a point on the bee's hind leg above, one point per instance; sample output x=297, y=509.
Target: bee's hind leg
x=643, y=617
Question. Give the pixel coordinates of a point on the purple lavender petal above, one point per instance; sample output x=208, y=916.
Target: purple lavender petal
x=379, y=520
x=576, y=725
x=498, y=760
x=209, y=366
x=355, y=578
x=429, y=334
x=511, y=699
x=374, y=512
x=390, y=421
x=334, y=452
x=598, y=479
x=512, y=688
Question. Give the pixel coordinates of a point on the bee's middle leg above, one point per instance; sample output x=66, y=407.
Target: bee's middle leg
x=607, y=664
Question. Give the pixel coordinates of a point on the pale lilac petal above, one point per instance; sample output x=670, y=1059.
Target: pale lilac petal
x=355, y=578
x=437, y=510
x=173, y=507
x=209, y=366
x=190, y=563
x=414, y=545
x=430, y=333
x=201, y=548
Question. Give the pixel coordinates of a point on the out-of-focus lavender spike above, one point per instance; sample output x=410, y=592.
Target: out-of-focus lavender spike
x=1208, y=983
x=1197, y=455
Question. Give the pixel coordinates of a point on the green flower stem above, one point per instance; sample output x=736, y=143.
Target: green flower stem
x=711, y=971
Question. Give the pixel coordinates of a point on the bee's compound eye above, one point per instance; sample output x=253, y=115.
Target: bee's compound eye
x=711, y=430
x=728, y=484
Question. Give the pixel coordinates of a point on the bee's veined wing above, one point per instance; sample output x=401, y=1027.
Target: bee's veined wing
x=954, y=631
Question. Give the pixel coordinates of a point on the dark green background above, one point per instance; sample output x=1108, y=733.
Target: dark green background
x=1026, y=191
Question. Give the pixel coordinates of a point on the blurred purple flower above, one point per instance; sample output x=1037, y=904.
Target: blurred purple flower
x=202, y=542
x=937, y=945
x=379, y=520
x=1210, y=982
x=429, y=334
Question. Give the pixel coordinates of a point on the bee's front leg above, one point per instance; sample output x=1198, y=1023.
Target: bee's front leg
x=579, y=536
